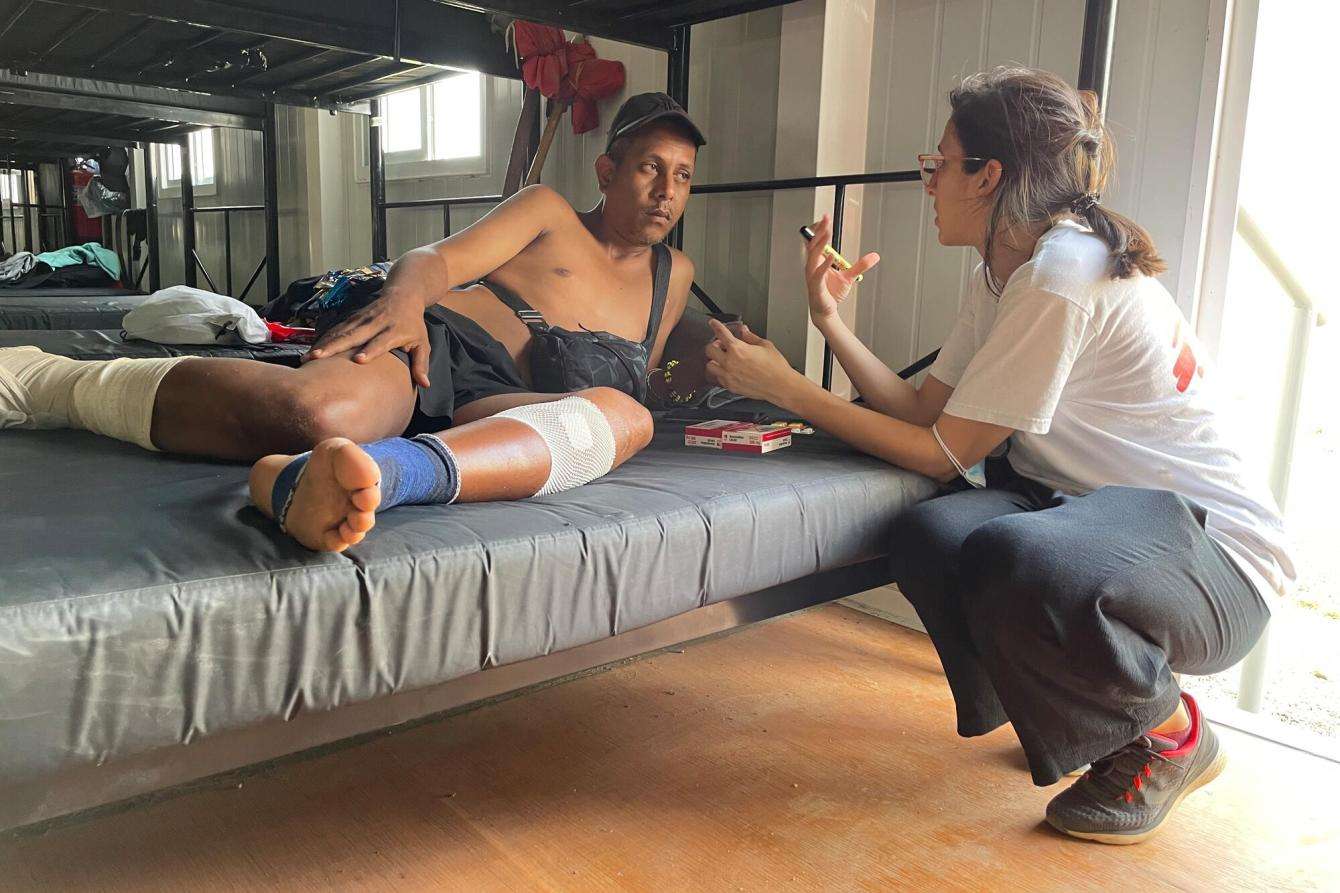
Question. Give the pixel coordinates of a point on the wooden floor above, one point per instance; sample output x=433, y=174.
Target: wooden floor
x=813, y=752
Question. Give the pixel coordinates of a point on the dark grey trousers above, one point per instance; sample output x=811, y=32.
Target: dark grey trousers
x=1067, y=615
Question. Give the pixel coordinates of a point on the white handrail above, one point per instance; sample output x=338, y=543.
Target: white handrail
x=1251, y=687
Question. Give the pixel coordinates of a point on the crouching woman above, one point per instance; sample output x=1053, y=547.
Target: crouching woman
x=1100, y=533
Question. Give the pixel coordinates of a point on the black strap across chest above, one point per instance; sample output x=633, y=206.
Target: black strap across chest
x=659, y=288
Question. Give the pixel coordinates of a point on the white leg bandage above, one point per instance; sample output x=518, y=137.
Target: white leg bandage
x=114, y=398
x=581, y=444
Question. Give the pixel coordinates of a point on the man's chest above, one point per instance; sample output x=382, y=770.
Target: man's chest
x=582, y=292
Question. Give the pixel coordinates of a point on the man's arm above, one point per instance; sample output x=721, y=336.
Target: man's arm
x=479, y=249
x=421, y=276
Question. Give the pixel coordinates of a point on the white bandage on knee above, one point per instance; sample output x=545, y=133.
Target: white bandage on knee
x=114, y=398
x=581, y=444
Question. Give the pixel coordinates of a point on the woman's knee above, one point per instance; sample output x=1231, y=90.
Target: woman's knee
x=1010, y=573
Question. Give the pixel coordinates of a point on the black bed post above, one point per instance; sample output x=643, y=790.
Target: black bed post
x=187, y=214
x=677, y=85
x=67, y=218
x=1095, y=56
x=151, y=217
x=271, y=161
x=27, y=217
x=377, y=180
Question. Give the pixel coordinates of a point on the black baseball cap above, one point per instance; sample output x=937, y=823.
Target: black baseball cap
x=644, y=108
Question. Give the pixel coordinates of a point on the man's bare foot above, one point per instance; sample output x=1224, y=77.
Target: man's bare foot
x=336, y=499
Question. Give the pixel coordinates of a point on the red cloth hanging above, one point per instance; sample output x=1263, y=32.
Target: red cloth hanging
x=589, y=80
x=544, y=56
x=566, y=71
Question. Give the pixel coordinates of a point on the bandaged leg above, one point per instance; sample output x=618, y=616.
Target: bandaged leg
x=580, y=440
x=327, y=499
x=418, y=470
x=114, y=398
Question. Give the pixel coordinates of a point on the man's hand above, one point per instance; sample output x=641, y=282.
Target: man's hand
x=393, y=320
x=749, y=365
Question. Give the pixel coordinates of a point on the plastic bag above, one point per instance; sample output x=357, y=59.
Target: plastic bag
x=184, y=315
x=97, y=200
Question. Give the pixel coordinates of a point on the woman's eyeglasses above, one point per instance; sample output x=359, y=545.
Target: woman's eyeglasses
x=931, y=164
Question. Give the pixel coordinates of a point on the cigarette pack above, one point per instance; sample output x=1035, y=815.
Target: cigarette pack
x=737, y=437
x=756, y=438
x=708, y=434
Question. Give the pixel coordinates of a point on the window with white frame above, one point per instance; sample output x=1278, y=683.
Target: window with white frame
x=202, y=162
x=11, y=187
x=435, y=129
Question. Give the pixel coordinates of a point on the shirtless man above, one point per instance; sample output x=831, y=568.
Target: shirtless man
x=427, y=414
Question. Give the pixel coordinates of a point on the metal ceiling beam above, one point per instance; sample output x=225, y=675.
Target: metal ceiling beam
x=15, y=16
x=70, y=30
x=23, y=133
x=339, y=68
x=553, y=14
x=44, y=148
x=420, y=73
x=7, y=157
x=187, y=87
x=695, y=12
x=138, y=91
x=309, y=54
x=121, y=42
x=432, y=33
x=113, y=105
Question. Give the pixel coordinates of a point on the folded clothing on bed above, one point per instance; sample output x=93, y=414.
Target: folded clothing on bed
x=89, y=264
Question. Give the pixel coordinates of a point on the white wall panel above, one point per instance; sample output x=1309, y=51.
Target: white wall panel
x=923, y=47
x=733, y=82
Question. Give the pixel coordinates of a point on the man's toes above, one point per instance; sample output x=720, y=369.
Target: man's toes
x=333, y=541
x=350, y=536
x=367, y=499
x=360, y=522
x=354, y=469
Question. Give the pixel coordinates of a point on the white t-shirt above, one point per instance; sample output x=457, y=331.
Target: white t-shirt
x=1105, y=383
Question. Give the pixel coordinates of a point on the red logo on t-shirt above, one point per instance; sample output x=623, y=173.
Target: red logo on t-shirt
x=1186, y=365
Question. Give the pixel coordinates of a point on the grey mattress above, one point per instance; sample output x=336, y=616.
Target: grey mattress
x=144, y=605
x=107, y=344
x=65, y=308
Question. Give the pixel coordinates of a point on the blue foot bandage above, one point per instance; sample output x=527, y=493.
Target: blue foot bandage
x=420, y=470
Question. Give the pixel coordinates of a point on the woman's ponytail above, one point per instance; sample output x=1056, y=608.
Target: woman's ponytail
x=1131, y=246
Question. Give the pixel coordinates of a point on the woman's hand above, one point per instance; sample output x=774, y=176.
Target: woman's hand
x=393, y=320
x=829, y=286
x=749, y=365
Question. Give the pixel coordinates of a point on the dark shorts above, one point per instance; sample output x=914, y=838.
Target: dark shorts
x=465, y=364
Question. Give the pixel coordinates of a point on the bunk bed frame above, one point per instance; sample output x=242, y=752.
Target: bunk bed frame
x=345, y=63
x=52, y=117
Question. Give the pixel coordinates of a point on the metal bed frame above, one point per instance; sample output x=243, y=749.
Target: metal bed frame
x=84, y=787
x=49, y=119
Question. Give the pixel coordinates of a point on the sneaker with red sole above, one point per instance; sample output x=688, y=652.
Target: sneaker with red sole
x=1126, y=796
